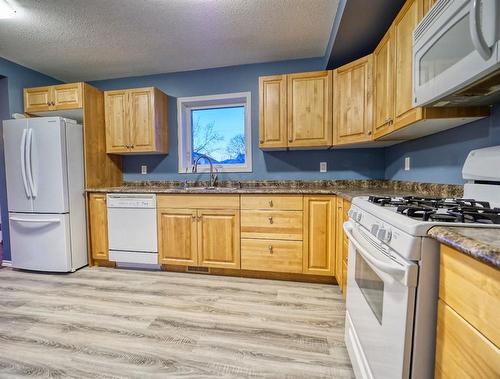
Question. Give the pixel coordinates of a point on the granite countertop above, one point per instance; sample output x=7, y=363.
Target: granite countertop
x=345, y=188
x=482, y=244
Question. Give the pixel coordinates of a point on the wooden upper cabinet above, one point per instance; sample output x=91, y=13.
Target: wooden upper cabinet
x=219, y=238
x=404, y=24
x=53, y=98
x=136, y=121
x=384, y=69
x=272, y=112
x=319, y=235
x=177, y=237
x=309, y=106
x=68, y=96
x=353, y=105
x=98, y=226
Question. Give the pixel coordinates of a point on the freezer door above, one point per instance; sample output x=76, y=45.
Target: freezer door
x=40, y=241
x=47, y=166
x=15, y=139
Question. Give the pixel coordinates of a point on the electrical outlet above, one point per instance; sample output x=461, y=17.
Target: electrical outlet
x=144, y=169
x=322, y=167
x=407, y=163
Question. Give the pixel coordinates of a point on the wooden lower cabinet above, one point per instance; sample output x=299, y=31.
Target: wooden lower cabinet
x=284, y=225
x=177, y=241
x=319, y=235
x=271, y=255
x=342, y=243
x=219, y=238
x=98, y=226
x=468, y=334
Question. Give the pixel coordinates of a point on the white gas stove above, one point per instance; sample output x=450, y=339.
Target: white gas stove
x=393, y=270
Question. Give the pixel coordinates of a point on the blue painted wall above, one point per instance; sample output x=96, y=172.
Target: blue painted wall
x=439, y=158
x=15, y=78
x=354, y=164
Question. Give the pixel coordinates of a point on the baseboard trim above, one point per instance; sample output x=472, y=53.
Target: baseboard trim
x=7, y=263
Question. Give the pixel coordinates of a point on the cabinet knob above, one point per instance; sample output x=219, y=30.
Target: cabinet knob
x=53, y=103
x=261, y=141
x=369, y=132
x=270, y=249
x=271, y=204
x=193, y=218
x=271, y=221
x=48, y=103
x=290, y=139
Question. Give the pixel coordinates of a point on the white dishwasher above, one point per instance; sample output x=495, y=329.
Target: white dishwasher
x=132, y=230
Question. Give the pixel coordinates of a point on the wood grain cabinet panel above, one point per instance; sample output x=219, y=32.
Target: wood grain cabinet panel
x=309, y=108
x=177, y=237
x=272, y=112
x=68, y=96
x=271, y=255
x=136, y=121
x=272, y=202
x=98, y=226
x=384, y=68
x=461, y=351
x=38, y=99
x=353, y=104
x=285, y=225
x=219, y=238
x=319, y=235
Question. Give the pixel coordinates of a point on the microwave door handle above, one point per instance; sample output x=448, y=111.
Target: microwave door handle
x=383, y=269
x=475, y=30
x=29, y=164
x=23, y=164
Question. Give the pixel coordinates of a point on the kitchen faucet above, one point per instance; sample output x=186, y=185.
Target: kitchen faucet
x=213, y=175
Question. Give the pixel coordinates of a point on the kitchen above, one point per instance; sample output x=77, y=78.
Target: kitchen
x=308, y=201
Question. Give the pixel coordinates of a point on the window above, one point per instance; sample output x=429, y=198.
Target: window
x=216, y=126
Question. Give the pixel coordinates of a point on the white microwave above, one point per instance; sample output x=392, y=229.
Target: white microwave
x=456, y=54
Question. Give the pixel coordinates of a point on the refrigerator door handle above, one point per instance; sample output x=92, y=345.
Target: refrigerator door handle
x=39, y=221
x=23, y=164
x=29, y=164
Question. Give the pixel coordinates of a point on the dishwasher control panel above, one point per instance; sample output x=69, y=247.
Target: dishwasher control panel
x=131, y=201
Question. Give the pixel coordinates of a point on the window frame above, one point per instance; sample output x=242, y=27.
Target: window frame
x=184, y=134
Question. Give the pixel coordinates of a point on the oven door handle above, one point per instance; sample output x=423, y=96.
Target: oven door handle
x=391, y=272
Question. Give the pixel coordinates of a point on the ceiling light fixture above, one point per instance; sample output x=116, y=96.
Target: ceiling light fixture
x=6, y=10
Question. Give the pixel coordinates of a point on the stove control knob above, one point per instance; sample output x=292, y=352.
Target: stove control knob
x=384, y=234
x=353, y=214
x=374, y=229
x=358, y=216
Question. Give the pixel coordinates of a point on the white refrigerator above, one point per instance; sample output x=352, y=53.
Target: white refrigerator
x=45, y=193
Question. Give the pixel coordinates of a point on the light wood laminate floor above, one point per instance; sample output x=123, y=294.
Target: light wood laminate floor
x=110, y=323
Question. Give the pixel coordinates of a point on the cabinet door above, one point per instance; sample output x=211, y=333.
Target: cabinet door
x=117, y=126
x=219, y=238
x=404, y=24
x=383, y=62
x=38, y=99
x=98, y=220
x=319, y=233
x=272, y=112
x=309, y=104
x=354, y=101
x=68, y=96
x=141, y=120
x=177, y=237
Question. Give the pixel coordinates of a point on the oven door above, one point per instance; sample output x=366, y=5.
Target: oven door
x=455, y=45
x=380, y=307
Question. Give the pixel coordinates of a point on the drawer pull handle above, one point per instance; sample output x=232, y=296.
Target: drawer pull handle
x=270, y=249
x=193, y=218
x=271, y=220
x=271, y=203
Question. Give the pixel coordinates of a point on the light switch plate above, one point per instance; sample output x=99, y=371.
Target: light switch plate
x=323, y=167
x=144, y=169
x=407, y=163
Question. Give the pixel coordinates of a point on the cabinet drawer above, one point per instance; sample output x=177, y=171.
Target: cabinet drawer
x=471, y=288
x=461, y=351
x=270, y=202
x=286, y=225
x=271, y=255
x=187, y=201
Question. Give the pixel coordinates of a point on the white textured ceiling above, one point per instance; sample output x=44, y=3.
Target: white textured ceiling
x=98, y=39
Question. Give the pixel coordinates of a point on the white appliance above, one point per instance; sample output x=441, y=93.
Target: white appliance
x=393, y=270
x=45, y=193
x=456, y=58
x=132, y=230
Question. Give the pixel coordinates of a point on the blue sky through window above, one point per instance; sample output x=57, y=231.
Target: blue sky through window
x=219, y=133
